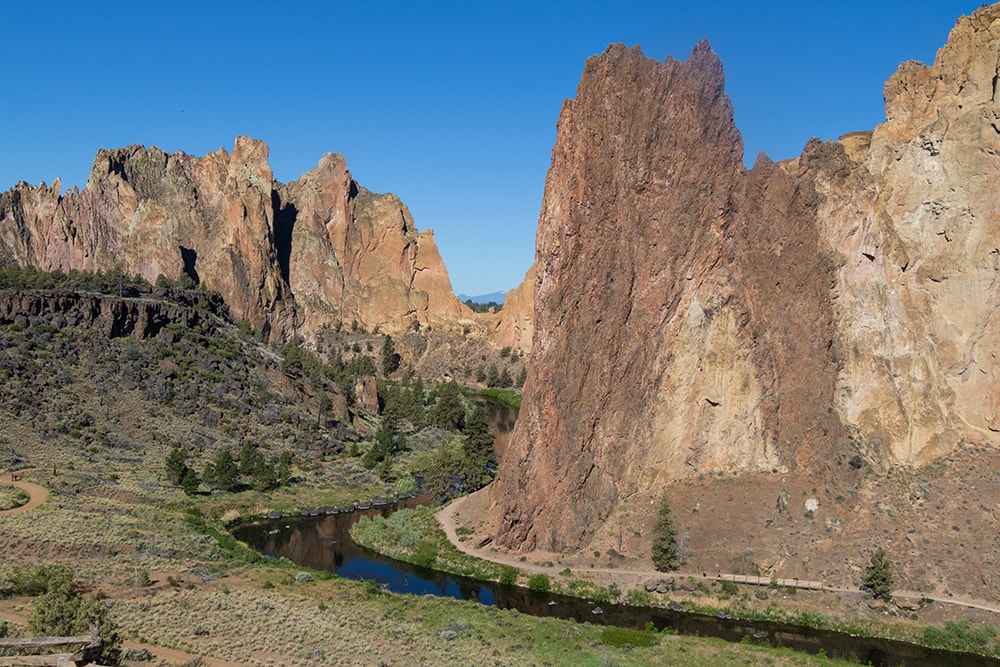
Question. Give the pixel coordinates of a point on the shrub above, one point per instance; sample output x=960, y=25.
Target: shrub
x=960, y=636
x=639, y=598
x=508, y=575
x=425, y=554
x=730, y=588
x=539, y=582
x=63, y=609
x=627, y=637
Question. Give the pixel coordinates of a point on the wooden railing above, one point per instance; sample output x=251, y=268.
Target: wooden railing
x=91, y=647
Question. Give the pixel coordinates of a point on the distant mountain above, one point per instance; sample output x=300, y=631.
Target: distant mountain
x=495, y=297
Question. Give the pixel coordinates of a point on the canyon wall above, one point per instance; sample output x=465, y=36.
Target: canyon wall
x=694, y=317
x=288, y=258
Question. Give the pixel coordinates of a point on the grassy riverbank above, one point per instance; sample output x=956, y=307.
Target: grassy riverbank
x=415, y=536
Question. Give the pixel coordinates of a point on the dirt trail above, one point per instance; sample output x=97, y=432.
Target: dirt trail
x=446, y=517
x=37, y=494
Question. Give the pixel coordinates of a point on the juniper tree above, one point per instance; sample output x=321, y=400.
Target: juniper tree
x=878, y=578
x=664, y=549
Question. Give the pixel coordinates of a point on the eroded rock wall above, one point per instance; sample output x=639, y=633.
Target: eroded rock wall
x=287, y=258
x=695, y=317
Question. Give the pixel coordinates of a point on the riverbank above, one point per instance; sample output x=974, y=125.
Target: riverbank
x=910, y=617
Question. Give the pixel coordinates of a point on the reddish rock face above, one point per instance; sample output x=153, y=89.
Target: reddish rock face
x=286, y=258
x=693, y=317
x=514, y=325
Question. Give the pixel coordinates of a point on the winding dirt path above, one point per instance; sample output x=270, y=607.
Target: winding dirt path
x=37, y=494
x=446, y=517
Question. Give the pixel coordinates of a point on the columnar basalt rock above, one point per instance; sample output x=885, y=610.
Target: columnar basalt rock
x=695, y=317
x=288, y=258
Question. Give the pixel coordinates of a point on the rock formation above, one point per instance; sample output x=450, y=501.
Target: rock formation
x=514, y=325
x=694, y=317
x=288, y=258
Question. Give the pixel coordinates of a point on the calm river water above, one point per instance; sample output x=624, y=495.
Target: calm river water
x=324, y=543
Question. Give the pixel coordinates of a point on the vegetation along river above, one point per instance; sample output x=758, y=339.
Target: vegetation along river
x=323, y=542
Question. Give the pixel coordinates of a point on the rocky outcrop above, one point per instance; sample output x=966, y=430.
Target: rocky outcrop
x=356, y=255
x=695, y=317
x=287, y=258
x=514, y=325
x=140, y=313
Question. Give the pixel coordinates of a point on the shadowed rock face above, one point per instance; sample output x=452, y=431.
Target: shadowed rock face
x=693, y=316
x=287, y=258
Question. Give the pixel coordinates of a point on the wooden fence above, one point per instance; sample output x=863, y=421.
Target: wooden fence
x=91, y=647
x=765, y=581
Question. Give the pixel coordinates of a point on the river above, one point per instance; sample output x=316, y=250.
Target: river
x=324, y=543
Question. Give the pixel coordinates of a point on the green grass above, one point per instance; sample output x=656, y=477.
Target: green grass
x=510, y=398
x=961, y=636
x=412, y=535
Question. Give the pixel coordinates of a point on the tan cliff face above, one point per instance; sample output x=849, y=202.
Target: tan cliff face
x=514, y=325
x=694, y=317
x=288, y=258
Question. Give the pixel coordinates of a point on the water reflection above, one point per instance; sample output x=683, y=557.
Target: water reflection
x=324, y=543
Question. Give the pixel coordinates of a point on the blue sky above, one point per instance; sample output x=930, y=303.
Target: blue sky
x=450, y=105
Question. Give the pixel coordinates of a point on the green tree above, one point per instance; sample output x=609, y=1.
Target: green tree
x=390, y=360
x=263, y=476
x=388, y=441
x=521, y=377
x=664, y=549
x=493, y=377
x=479, y=460
x=190, y=482
x=227, y=475
x=176, y=465
x=442, y=478
x=448, y=413
x=283, y=469
x=323, y=406
x=250, y=458
x=878, y=578
x=415, y=412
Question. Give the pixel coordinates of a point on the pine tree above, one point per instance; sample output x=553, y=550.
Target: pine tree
x=283, y=469
x=227, y=475
x=250, y=458
x=878, y=578
x=190, y=481
x=448, y=413
x=664, y=549
x=176, y=465
x=480, y=461
x=390, y=360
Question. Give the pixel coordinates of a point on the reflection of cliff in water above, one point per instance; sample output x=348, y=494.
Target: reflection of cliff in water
x=501, y=420
x=322, y=543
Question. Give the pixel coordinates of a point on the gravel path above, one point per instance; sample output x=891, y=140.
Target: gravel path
x=446, y=517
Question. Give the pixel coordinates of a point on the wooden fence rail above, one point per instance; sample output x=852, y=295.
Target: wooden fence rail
x=91, y=648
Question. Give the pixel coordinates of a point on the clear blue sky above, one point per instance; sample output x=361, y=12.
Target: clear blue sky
x=452, y=106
